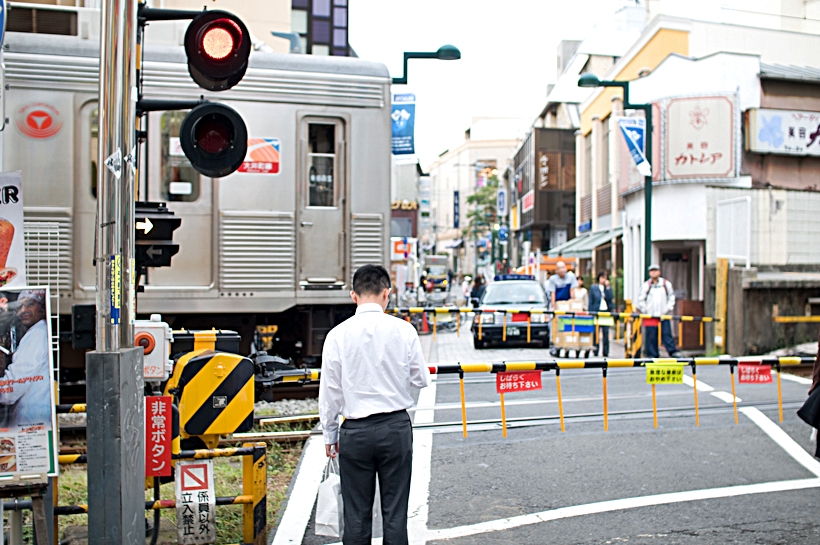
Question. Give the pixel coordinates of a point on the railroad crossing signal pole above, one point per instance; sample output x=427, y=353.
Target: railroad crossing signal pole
x=116, y=436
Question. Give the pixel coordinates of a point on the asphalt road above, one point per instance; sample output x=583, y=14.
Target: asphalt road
x=751, y=483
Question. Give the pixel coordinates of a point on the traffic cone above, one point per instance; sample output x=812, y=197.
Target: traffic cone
x=425, y=327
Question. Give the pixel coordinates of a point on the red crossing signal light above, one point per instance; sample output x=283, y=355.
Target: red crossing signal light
x=214, y=139
x=218, y=46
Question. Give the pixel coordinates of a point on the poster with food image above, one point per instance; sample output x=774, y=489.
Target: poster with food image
x=28, y=443
x=12, y=246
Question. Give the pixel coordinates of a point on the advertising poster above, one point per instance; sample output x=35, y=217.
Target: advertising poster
x=12, y=246
x=404, y=120
x=27, y=416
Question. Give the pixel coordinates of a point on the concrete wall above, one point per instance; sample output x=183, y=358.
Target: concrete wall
x=750, y=328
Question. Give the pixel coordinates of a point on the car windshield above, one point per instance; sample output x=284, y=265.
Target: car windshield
x=437, y=270
x=514, y=293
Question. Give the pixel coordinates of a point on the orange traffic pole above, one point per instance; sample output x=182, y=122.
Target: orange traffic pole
x=504, y=329
x=779, y=394
x=463, y=404
x=480, y=319
x=503, y=417
x=435, y=322
x=734, y=398
x=606, y=406
x=560, y=401
x=701, y=333
x=654, y=407
x=695, y=380
x=680, y=333
x=529, y=321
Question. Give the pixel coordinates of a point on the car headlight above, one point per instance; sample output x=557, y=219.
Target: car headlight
x=538, y=318
x=487, y=318
x=444, y=282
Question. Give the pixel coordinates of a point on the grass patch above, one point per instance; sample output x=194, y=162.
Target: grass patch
x=281, y=462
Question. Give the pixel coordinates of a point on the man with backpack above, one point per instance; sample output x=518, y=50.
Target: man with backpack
x=657, y=298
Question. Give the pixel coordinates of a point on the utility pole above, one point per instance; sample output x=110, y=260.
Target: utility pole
x=114, y=374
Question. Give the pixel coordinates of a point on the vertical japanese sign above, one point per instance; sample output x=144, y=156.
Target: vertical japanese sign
x=158, y=436
x=634, y=131
x=27, y=415
x=501, y=203
x=721, y=301
x=456, y=210
x=528, y=201
x=700, y=138
x=12, y=247
x=404, y=120
x=196, y=519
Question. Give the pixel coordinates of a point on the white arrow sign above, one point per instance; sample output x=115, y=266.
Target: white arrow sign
x=146, y=225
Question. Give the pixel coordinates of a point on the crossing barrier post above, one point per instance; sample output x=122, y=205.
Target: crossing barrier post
x=680, y=333
x=503, y=417
x=779, y=393
x=654, y=407
x=606, y=404
x=435, y=323
x=529, y=330
x=504, y=329
x=695, y=388
x=463, y=404
x=479, y=316
x=734, y=397
x=560, y=401
x=254, y=484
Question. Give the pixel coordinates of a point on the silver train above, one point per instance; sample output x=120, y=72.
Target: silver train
x=272, y=249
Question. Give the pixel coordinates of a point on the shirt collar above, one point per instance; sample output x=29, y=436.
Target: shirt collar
x=369, y=307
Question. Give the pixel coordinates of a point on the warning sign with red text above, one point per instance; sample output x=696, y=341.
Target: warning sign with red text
x=517, y=381
x=752, y=373
x=196, y=501
x=158, y=436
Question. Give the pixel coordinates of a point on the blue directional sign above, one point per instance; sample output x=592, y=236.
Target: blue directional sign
x=503, y=233
x=501, y=203
x=634, y=131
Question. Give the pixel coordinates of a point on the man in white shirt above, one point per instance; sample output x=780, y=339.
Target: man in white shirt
x=369, y=364
x=29, y=393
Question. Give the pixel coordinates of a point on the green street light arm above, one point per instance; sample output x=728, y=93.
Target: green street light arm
x=444, y=53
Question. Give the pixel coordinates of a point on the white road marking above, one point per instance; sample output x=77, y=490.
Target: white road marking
x=418, y=505
x=295, y=520
x=620, y=505
x=726, y=397
x=783, y=439
x=702, y=386
x=794, y=378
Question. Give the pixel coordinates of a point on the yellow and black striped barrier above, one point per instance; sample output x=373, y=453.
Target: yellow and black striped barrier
x=529, y=313
x=253, y=497
x=71, y=409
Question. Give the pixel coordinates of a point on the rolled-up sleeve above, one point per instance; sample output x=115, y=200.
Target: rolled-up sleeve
x=331, y=398
x=419, y=373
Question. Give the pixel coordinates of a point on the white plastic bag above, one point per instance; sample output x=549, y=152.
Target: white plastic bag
x=329, y=507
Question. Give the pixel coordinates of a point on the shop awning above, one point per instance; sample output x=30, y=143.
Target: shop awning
x=453, y=244
x=583, y=246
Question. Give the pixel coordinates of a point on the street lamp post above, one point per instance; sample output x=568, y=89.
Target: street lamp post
x=591, y=80
x=444, y=53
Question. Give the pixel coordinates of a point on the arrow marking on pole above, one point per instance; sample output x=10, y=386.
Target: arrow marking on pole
x=152, y=252
x=146, y=225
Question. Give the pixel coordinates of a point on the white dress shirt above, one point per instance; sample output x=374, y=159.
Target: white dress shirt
x=369, y=363
x=31, y=396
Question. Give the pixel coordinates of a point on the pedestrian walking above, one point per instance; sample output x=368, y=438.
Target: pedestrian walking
x=561, y=286
x=478, y=288
x=602, y=300
x=370, y=362
x=581, y=294
x=657, y=298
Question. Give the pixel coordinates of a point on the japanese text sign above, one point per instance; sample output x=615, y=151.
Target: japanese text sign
x=700, y=138
x=262, y=156
x=403, y=116
x=196, y=518
x=158, y=436
x=783, y=131
x=520, y=381
x=752, y=373
x=528, y=201
x=664, y=374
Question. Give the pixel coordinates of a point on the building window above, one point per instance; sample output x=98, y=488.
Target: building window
x=299, y=21
x=321, y=25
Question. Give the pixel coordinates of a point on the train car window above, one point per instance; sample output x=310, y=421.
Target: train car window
x=92, y=148
x=180, y=182
x=321, y=164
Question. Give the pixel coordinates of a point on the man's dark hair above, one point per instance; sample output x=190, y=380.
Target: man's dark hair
x=600, y=274
x=371, y=280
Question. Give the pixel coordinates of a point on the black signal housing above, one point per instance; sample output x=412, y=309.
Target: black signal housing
x=214, y=139
x=218, y=45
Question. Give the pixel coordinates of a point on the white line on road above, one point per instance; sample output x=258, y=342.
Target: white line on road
x=702, y=386
x=291, y=530
x=795, y=378
x=726, y=397
x=783, y=439
x=418, y=506
x=620, y=505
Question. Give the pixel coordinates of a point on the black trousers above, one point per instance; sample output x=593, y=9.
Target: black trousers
x=650, y=340
x=603, y=338
x=379, y=445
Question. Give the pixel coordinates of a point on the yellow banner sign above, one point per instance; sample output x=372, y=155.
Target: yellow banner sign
x=664, y=374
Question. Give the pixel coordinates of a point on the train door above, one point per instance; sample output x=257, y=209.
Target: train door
x=322, y=202
x=172, y=180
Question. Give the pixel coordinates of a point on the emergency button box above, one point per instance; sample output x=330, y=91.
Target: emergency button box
x=155, y=338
